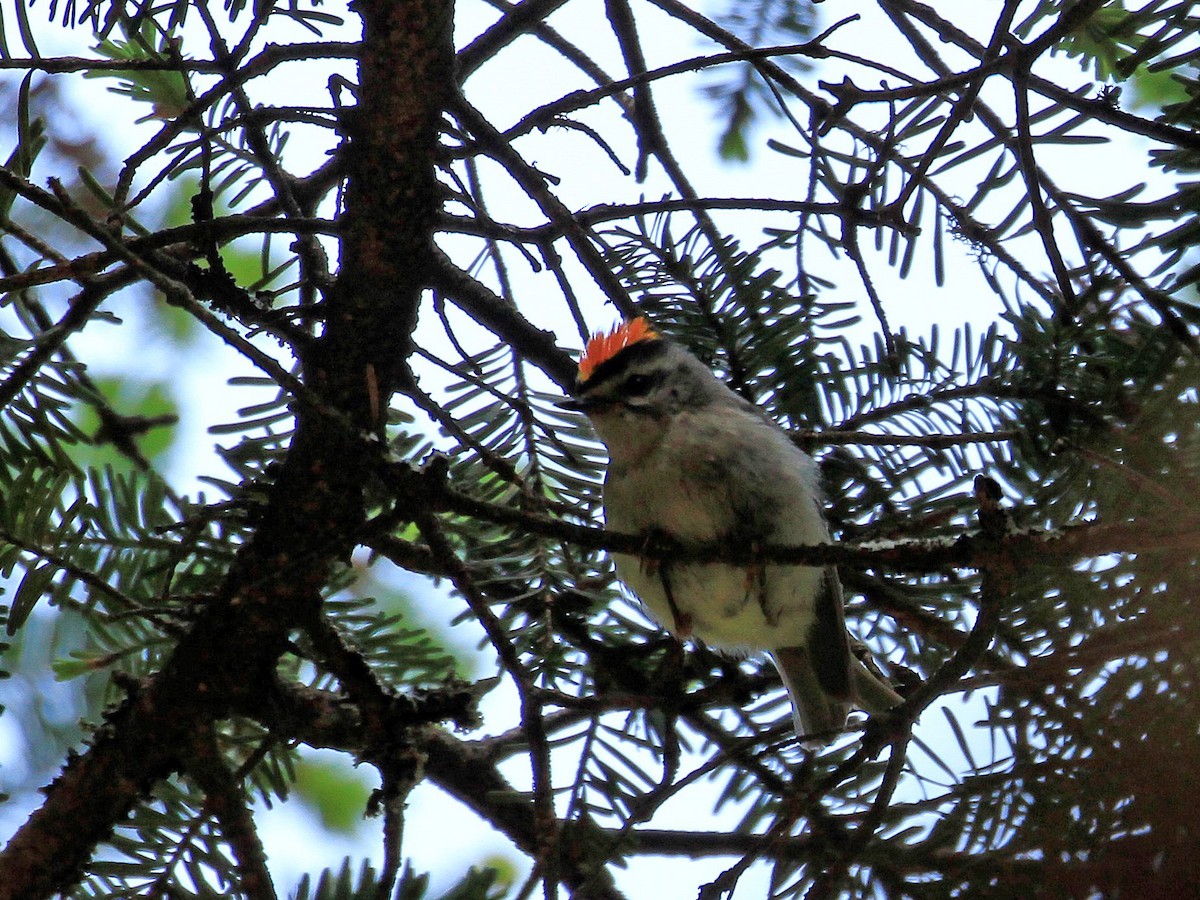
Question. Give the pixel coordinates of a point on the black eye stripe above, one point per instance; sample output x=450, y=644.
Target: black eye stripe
x=640, y=383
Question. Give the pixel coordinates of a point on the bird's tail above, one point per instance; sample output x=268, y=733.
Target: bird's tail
x=871, y=694
x=817, y=714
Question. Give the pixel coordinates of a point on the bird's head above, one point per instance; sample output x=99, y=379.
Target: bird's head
x=631, y=383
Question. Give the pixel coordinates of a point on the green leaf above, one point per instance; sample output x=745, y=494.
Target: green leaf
x=30, y=141
x=79, y=662
x=1109, y=34
x=32, y=588
x=1157, y=89
x=732, y=147
x=336, y=792
x=165, y=90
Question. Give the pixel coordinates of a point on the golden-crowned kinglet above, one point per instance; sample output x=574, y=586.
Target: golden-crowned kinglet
x=691, y=460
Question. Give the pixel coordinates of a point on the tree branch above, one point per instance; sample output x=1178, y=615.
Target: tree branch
x=315, y=506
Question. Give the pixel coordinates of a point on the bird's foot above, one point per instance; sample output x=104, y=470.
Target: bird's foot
x=756, y=586
x=657, y=549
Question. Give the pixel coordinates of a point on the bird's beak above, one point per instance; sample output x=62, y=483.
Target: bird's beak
x=574, y=404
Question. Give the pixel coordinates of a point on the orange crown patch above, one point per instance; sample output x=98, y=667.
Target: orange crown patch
x=603, y=347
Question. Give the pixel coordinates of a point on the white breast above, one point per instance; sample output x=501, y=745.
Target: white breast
x=725, y=606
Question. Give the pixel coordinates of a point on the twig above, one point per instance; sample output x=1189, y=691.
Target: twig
x=1043, y=222
x=178, y=294
x=180, y=241
x=576, y=100
x=1073, y=542
x=490, y=310
x=271, y=56
x=608, y=212
x=546, y=824
x=838, y=436
x=819, y=108
x=226, y=798
x=61, y=65
x=520, y=18
x=79, y=313
x=962, y=107
x=1089, y=235
x=533, y=183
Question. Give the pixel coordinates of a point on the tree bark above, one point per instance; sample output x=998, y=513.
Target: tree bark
x=315, y=506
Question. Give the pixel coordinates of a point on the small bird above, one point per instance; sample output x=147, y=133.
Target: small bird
x=692, y=461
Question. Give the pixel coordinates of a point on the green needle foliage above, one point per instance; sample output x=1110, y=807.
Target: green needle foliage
x=287, y=318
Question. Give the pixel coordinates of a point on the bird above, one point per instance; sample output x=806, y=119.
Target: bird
x=692, y=461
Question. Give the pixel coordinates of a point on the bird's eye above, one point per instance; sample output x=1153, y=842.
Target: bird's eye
x=638, y=384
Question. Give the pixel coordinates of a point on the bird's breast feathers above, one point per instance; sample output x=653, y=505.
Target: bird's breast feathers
x=729, y=607
x=695, y=495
